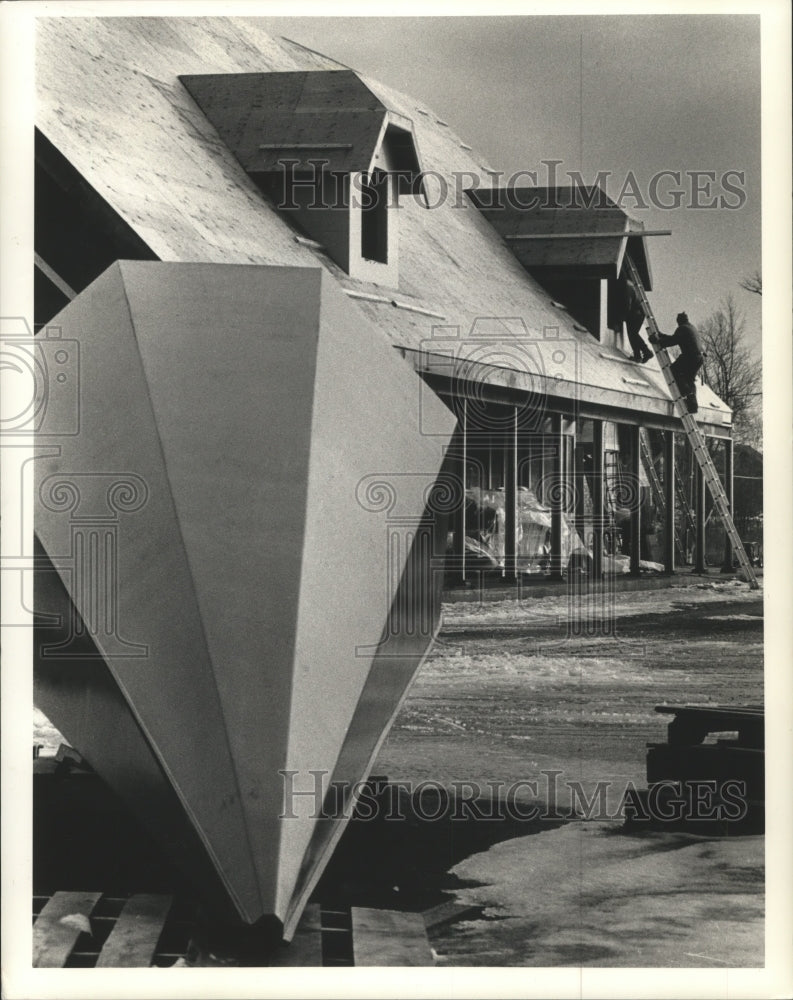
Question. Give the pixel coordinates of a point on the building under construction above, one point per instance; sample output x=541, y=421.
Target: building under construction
x=254, y=190
x=514, y=315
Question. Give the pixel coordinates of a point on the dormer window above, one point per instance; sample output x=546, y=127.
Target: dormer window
x=374, y=216
x=326, y=151
x=573, y=241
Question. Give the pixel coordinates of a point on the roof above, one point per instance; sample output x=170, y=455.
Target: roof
x=575, y=220
x=330, y=115
x=110, y=99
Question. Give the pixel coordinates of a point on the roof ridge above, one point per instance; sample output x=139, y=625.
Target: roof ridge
x=315, y=52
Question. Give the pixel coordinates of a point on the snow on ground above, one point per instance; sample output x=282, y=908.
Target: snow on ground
x=587, y=894
x=508, y=693
x=627, y=603
x=45, y=734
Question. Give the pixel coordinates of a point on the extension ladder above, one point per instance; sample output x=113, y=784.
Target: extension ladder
x=611, y=473
x=682, y=501
x=694, y=436
x=658, y=492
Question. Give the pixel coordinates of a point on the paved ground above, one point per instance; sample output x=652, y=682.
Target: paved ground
x=508, y=694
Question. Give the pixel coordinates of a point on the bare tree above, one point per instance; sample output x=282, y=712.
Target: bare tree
x=753, y=283
x=733, y=371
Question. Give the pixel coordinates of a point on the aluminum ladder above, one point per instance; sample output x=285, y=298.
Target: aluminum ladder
x=695, y=438
x=658, y=492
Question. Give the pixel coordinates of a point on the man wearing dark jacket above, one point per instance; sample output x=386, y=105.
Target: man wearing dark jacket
x=686, y=366
x=634, y=317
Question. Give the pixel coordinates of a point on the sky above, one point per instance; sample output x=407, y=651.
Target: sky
x=631, y=95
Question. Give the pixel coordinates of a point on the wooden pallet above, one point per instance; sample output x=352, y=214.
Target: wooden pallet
x=71, y=930
x=305, y=948
x=361, y=936
x=389, y=937
x=99, y=929
x=66, y=931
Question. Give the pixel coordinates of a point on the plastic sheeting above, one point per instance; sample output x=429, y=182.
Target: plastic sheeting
x=485, y=534
x=486, y=529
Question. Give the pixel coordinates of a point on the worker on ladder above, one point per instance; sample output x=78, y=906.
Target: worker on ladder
x=685, y=367
x=634, y=318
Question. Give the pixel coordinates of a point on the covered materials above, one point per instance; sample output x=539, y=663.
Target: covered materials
x=239, y=574
x=486, y=536
x=485, y=530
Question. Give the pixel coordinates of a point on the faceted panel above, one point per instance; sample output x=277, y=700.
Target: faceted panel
x=208, y=527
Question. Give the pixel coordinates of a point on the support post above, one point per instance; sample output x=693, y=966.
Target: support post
x=636, y=506
x=579, y=478
x=728, y=491
x=699, y=561
x=557, y=496
x=511, y=498
x=458, y=516
x=598, y=497
x=670, y=527
x=464, y=525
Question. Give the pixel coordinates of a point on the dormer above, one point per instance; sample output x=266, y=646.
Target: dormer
x=573, y=241
x=326, y=151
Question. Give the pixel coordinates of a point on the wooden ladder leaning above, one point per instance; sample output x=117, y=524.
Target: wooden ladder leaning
x=695, y=438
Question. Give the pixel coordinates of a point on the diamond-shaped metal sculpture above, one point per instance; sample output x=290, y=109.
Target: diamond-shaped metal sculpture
x=240, y=561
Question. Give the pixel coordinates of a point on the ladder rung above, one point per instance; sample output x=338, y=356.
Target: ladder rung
x=695, y=438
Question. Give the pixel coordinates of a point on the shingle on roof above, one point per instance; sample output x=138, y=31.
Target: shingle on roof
x=523, y=215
